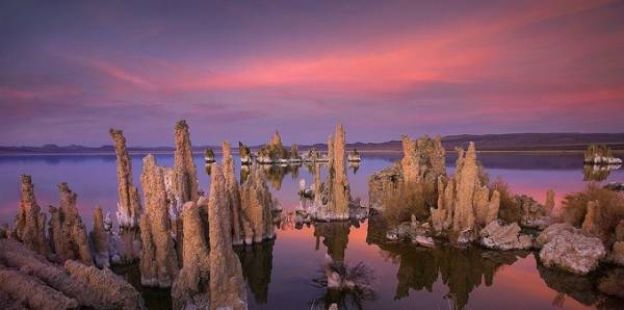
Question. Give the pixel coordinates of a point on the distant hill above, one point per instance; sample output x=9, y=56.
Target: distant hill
x=488, y=142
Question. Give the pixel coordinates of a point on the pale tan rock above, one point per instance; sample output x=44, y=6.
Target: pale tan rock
x=256, y=207
x=504, y=237
x=410, y=164
x=549, y=205
x=39, y=296
x=185, y=171
x=493, y=207
x=159, y=263
x=466, y=177
x=110, y=290
x=128, y=207
x=588, y=226
x=191, y=289
x=100, y=240
x=67, y=232
x=341, y=191
x=30, y=221
x=480, y=202
x=437, y=157
x=233, y=194
x=227, y=287
x=567, y=248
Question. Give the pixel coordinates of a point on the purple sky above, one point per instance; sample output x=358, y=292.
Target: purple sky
x=238, y=70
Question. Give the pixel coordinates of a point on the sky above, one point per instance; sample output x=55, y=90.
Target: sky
x=238, y=70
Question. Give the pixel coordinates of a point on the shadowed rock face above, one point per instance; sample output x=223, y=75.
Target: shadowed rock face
x=191, y=288
x=30, y=221
x=185, y=172
x=159, y=262
x=100, y=239
x=129, y=206
x=67, y=232
x=233, y=195
x=227, y=287
x=50, y=286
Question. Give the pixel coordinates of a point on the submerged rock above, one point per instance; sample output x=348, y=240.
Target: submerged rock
x=30, y=221
x=159, y=263
x=227, y=287
x=567, y=248
x=129, y=206
x=504, y=237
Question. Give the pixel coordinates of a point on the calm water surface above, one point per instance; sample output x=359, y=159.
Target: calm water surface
x=280, y=273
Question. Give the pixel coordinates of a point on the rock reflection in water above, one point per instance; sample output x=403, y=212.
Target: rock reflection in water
x=461, y=270
x=257, y=263
x=598, y=172
x=274, y=173
x=347, y=287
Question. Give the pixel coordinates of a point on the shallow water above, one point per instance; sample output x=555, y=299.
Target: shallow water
x=280, y=273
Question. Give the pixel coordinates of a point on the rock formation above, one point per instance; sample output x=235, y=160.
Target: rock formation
x=244, y=153
x=191, y=289
x=233, y=195
x=50, y=286
x=504, y=237
x=464, y=204
x=567, y=248
x=129, y=206
x=99, y=237
x=256, y=208
x=68, y=234
x=185, y=180
x=549, y=205
x=617, y=249
x=159, y=263
x=341, y=194
x=410, y=164
x=227, y=287
x=30, y=221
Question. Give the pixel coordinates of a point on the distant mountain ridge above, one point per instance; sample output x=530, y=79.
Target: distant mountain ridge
x=486, y=142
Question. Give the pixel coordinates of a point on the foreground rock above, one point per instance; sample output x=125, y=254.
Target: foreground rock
x=227, y=287
x=504, y=237
x=257, y=206
x=100, y=239
x=185, y=172
x=67, y=232
x=159, y=263
x=30, y=221
x=50, y=286
x=233, y=194
x=567, y=248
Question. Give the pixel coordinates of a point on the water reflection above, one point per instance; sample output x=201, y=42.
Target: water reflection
x=598, y=172
x=461, y=270
x=257, y=263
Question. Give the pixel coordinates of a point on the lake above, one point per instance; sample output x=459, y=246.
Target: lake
x=280, y=274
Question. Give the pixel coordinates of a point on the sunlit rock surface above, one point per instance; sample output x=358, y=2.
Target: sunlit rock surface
x=227, y=287
x=68, y=235
x=191, y=289
x=128, y=207
x=159, y=263
x=185, y=172
x=504, y=237
x=567, y=248
x=256, y=207
x=29, y=226
x=233, y=194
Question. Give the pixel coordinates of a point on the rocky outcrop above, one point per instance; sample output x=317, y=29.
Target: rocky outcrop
x=50, y=286
x=256, y=208
x=233, y=195
x=504, y=237
x=68, y=235
x=339, y=205
x=617, y=249
x=567, y=248
x=185, y=177
x=410, y=164
x=589, y=226
x=30, y=221
x=99, y=238
x=227, y=287
x=244, y=153
x=129, y=206
x=534, y=215
x=191, y=289
x=549, y=205
x=612, y=283
x=159, y=263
